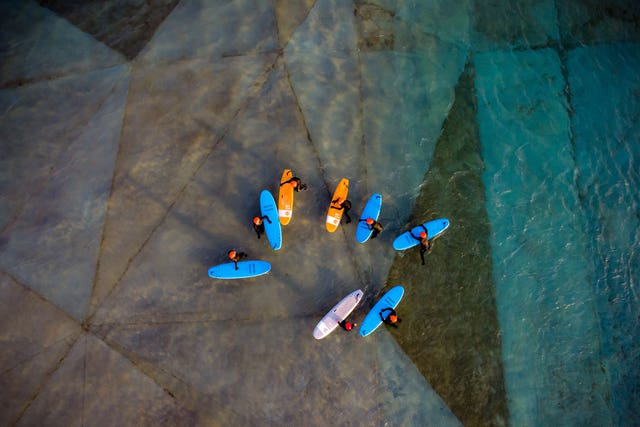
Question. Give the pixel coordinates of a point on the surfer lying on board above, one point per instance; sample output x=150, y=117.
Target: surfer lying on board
x=347, y=326
x=258, y=224
x=424, y=243
x=296, y=183
x=236, y=256
x=374, y=225
x=392, y=319
x=342, y=204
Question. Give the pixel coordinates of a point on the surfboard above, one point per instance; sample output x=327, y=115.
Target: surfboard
x=434, y=228
x=337, y=314
x=273, y=229
x=285, y=198
x=371, y=210
x=335, y=215
x=245, y=269
x=372, y=320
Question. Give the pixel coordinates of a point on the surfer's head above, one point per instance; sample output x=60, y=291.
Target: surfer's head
x=232, y=254
x=369, y=221
x=423, y=235
x=257, y=221
x=294, y=184
x=393, y=318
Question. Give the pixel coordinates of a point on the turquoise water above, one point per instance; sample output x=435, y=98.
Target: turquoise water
x=540, y=251
x=135, y=140
x=561, y=176
x=607, y=182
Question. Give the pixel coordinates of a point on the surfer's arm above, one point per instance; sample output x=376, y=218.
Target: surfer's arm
x=267, y=218
x=383, y=310
x=370, y=227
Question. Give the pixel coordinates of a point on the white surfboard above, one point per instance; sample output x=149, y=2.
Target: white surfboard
x=337, y=314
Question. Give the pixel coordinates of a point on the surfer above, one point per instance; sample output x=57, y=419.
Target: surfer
x=374, y=225
x=236, y=256
x=258, y=224
x=424, y=243
x=296, y=183
x=347, y=326
x=343, y=204
x=392, y=319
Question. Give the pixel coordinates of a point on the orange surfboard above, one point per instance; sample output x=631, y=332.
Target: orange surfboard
x=335, y=215
x=285, y=198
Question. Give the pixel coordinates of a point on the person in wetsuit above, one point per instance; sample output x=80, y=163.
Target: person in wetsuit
x=296, y=183
x=392, y=319
x=236, y=256
x=425, y=246
x=343, y=204
x=258, y=224
x=374, y=225
x=347, y=326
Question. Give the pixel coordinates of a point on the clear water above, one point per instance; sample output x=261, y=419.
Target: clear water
x=135, y=141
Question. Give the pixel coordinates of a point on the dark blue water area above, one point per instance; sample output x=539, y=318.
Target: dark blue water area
x=605, y=94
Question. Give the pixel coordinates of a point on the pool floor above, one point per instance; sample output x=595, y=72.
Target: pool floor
x=135, y=140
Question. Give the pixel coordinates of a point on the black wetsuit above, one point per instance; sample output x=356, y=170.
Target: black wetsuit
x=424, y=244
x=345, y=206
x=376, y=227
x=259, y=229
x=238, y=257
x=385, y=319
x=343, y=325
x=299, y=185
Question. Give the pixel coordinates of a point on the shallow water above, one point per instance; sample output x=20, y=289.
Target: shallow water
x=135, y=144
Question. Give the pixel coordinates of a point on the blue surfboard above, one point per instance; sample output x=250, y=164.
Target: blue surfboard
x=389, y=300
x=245, y=269
x=371, y=210
x=433, y=228
x=272, y=230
